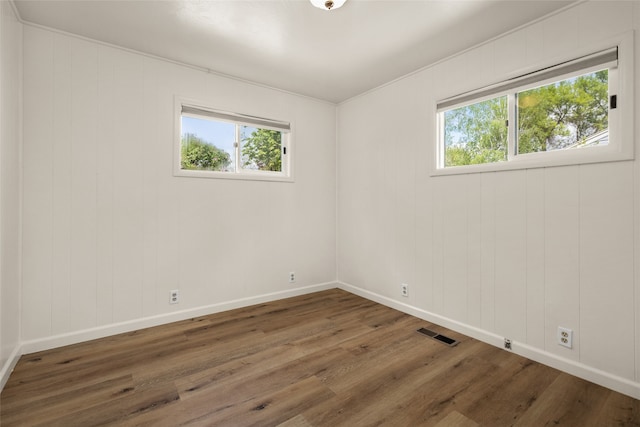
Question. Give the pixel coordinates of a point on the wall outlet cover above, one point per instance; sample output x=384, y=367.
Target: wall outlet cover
x=565, y=337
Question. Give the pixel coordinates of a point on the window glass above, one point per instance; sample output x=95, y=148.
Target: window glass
x=476, y=133
x=207, y=145
x=260, y=149
x=567, y=114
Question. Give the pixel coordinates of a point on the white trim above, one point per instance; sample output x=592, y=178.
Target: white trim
x=9, y=365
x=161, y=319
x=572, y=367
x=616, y=383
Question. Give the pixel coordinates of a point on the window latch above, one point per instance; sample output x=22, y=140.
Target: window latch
x=284, y=150
x=613, y=101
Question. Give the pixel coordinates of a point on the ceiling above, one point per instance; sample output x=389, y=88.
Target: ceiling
x=289, y=44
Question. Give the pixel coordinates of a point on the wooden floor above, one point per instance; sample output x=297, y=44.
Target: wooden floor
x=325, y=359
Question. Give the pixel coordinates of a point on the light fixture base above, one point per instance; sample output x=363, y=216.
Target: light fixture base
x=328, y=4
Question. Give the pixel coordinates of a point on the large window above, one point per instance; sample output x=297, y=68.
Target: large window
x=563, y=114
x=218, y=144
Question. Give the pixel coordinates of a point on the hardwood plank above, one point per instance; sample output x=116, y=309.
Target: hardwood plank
x=324, y=359
x=503, y=387
x=619, y=410
x=297, y=421
x=50, y=406
x=409, y=375
x=568, y=400
x=456, y=419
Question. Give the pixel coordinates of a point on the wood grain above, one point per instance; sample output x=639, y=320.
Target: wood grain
x=324, y=359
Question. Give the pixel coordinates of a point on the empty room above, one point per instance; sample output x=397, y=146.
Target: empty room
x=319, y=213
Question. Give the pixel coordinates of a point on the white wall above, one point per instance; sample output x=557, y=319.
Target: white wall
x=109, y=231
x=503, y=254
x=10, y=69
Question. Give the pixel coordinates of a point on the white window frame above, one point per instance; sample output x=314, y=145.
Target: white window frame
x=198, y=109
x=621, y=119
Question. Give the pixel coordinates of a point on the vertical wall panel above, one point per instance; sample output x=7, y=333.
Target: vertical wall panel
x=535, y=256
x=488, y=248
x=474, y=250
x=534, y=44
x=483, y=61
x=438, y=246
x=128, y=150
x=636, y=209
x=559, y=34
x=510, y=54
x=37, y=172
x=606, y=268
x=405, y=103
x=10, y=179
x=107, y=106
x=423, y=286
x=62, y=167
x=562, y=257
x=84, y=72
x=150, y=190
x=511, y=256
x=454, y=246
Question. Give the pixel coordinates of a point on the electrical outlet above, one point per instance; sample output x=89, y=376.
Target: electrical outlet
x=174, y=296
x=565, y=337
x=507, y=344
x=404, y=290
x=292, y=277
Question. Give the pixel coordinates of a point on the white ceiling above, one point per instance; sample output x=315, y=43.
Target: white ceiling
x=289, y=44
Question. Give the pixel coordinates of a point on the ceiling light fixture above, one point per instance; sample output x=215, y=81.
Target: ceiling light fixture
x=327, y=4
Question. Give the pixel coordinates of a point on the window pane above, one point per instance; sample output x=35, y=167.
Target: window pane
x=572, y=113
x=207, y=145
x=476, y=133
x=260, y=149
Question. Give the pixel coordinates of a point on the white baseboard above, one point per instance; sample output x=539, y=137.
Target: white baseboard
x=161, y=319
x=9, y=364
x=605, y=379
x=580, y=370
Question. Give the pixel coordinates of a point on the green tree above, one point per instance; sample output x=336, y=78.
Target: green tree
x=197, y=154
x=563, y=114
x=476, y=133
x=551, y=117
x=262, y=150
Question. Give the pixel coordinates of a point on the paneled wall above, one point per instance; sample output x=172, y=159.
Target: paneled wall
x=512, y=254
x=108, y=229
x=10, y=58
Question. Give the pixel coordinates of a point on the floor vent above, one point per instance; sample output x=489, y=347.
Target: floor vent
x=436, y=336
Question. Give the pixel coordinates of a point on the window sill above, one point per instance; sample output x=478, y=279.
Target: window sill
x=542, y=160
x=243, y=176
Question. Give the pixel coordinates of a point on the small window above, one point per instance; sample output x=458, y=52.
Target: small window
x=219, y=144
x=564, y=114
